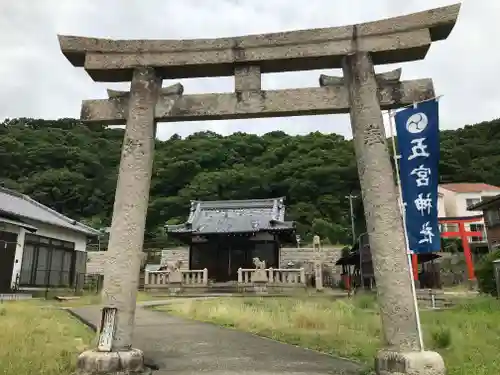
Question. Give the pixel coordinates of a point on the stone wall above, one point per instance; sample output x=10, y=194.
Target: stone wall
x=329, y=255
x=175, y=254
x=299, y=256
x=304, y=257
x=96, y=261
x=452, y=266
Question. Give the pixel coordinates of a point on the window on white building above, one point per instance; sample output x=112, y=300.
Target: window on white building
x=472, y=201
x=477, y=228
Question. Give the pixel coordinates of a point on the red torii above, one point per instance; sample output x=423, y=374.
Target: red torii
x=463, y=235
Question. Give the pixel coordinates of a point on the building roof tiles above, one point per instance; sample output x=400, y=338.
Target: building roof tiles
x=24, y=207
x=235, y=216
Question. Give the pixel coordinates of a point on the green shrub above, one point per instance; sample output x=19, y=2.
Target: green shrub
x=441, y=337
x=485, y=273
x=366, y=301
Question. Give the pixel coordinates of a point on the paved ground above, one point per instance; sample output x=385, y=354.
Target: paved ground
x=181, y=346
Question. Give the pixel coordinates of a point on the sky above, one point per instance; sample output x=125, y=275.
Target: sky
x=37, y=81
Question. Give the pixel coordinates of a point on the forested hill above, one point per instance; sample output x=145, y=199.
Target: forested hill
x=72, y=168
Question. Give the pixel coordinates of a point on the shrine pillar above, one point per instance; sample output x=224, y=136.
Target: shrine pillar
x=471, y=275
x=384, y=225
x=464, y=235
x=114, y=351
x=414, y=264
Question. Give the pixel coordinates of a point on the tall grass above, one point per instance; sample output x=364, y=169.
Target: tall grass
x=467, y=336
x=37, y=340
x=335, y=327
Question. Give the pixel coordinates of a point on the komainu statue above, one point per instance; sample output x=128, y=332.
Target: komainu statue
x=259, y=264
x=316, y=241
x=172, y=271
x=174, y=266
x=171, y=266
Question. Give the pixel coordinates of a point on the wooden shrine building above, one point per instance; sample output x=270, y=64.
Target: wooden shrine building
x=226, y=235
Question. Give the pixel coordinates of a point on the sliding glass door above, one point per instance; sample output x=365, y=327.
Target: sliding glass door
x=48, y=262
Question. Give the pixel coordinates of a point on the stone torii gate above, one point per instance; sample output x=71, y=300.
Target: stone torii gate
x=355, y=49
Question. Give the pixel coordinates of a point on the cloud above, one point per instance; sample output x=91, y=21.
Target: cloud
x=37, y=81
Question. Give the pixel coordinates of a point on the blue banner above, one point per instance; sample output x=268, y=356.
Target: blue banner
x=418, y=141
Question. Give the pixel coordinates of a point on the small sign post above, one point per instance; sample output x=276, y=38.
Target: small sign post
x=107, y=330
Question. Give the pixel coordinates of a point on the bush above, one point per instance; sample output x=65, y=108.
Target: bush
x=486, y=274
x=366, y=301
x=441, y=337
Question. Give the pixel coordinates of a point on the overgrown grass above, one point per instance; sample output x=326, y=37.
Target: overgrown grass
x=326, y=324
x=467, y=336
x=38, y=340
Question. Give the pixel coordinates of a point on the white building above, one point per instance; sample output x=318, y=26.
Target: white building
x=39, y=247
x=454, y=199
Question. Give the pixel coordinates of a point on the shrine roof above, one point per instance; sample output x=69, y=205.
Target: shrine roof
x=235, y=216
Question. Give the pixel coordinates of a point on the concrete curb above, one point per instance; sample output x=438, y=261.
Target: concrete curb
x=243, y=295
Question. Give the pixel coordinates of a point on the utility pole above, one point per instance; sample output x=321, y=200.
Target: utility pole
x=353, y=230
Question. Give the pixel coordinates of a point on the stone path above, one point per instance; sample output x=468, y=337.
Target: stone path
x=180, y=346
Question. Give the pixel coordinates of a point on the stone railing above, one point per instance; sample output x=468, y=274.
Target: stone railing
x=195, y=277
x=184, y=278
x=274, y=276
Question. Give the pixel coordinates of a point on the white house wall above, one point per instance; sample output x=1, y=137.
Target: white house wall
x=461, y=205
x=63, y=234
x=455, y=204
x=18, y=257
x=461, y=199
x=449, y=203
x=441, y=206
x=45, y=230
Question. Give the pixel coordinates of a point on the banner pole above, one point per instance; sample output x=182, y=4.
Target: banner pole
x=421, y=101
x=407, y=242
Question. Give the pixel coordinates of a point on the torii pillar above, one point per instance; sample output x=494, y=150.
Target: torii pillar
x=404, y=352
x=114, y=353
x=464, y=235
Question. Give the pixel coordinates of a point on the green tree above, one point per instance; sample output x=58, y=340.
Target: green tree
x=72, y=167
x=485, y=273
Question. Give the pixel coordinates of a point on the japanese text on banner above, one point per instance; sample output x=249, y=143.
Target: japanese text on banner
x=418, y=142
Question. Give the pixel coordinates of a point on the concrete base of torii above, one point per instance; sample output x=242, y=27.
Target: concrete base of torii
x=411, y=363
x=93, y=362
